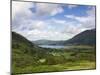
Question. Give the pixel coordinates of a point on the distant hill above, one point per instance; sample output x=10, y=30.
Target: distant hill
x=87, y=37
x=47, y=42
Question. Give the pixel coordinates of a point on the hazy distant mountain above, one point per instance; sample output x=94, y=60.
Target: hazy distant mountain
x=47, y=42
x=87, y=37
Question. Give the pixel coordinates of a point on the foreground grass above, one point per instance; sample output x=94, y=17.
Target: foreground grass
x=80, y=65
x=76, y=58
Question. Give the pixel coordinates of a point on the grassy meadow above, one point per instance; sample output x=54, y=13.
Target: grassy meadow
x=51, y=60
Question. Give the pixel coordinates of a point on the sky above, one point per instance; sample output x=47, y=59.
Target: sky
x=49, y=21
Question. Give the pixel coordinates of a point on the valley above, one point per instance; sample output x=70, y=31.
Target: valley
x=31, y=58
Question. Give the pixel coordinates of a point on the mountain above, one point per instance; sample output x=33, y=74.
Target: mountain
x=24, y=53
x=47, y=42
x=26, y=56
x=87, y=37
x=20, y=42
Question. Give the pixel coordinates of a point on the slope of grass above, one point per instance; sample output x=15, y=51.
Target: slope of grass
x=29, y=58
x=60, y=60
x=58, y=67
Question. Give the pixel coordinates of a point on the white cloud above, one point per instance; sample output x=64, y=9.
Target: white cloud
x=87, y=22
x=43, y=29
x=80, y=19
x=44, y=9
x=72, y=6
x=69, y=28
x=38, y=24
x=22, y=9
x=39, y=29
x=91, y=12
x=50, y=35
x=53, y=29
x=22, y=15
x=23, y=23
x=58, y=21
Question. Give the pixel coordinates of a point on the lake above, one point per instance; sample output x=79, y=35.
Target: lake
x=54, y=46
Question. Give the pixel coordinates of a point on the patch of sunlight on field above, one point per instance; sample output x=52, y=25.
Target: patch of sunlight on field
x=42, y=60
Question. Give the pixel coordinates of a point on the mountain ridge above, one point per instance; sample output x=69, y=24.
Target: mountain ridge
x=86, y=37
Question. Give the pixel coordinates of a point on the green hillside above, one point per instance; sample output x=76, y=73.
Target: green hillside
x=29, y=58
x=24, y=53
x=87, y=37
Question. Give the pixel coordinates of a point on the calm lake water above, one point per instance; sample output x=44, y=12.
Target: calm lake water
x=54, y=46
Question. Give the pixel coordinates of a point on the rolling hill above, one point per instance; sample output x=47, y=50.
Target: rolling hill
x=47, y=42
x=24, y=53
x=29, y=58
x=87, y=37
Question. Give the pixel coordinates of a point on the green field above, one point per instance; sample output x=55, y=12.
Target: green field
x=76, y=58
